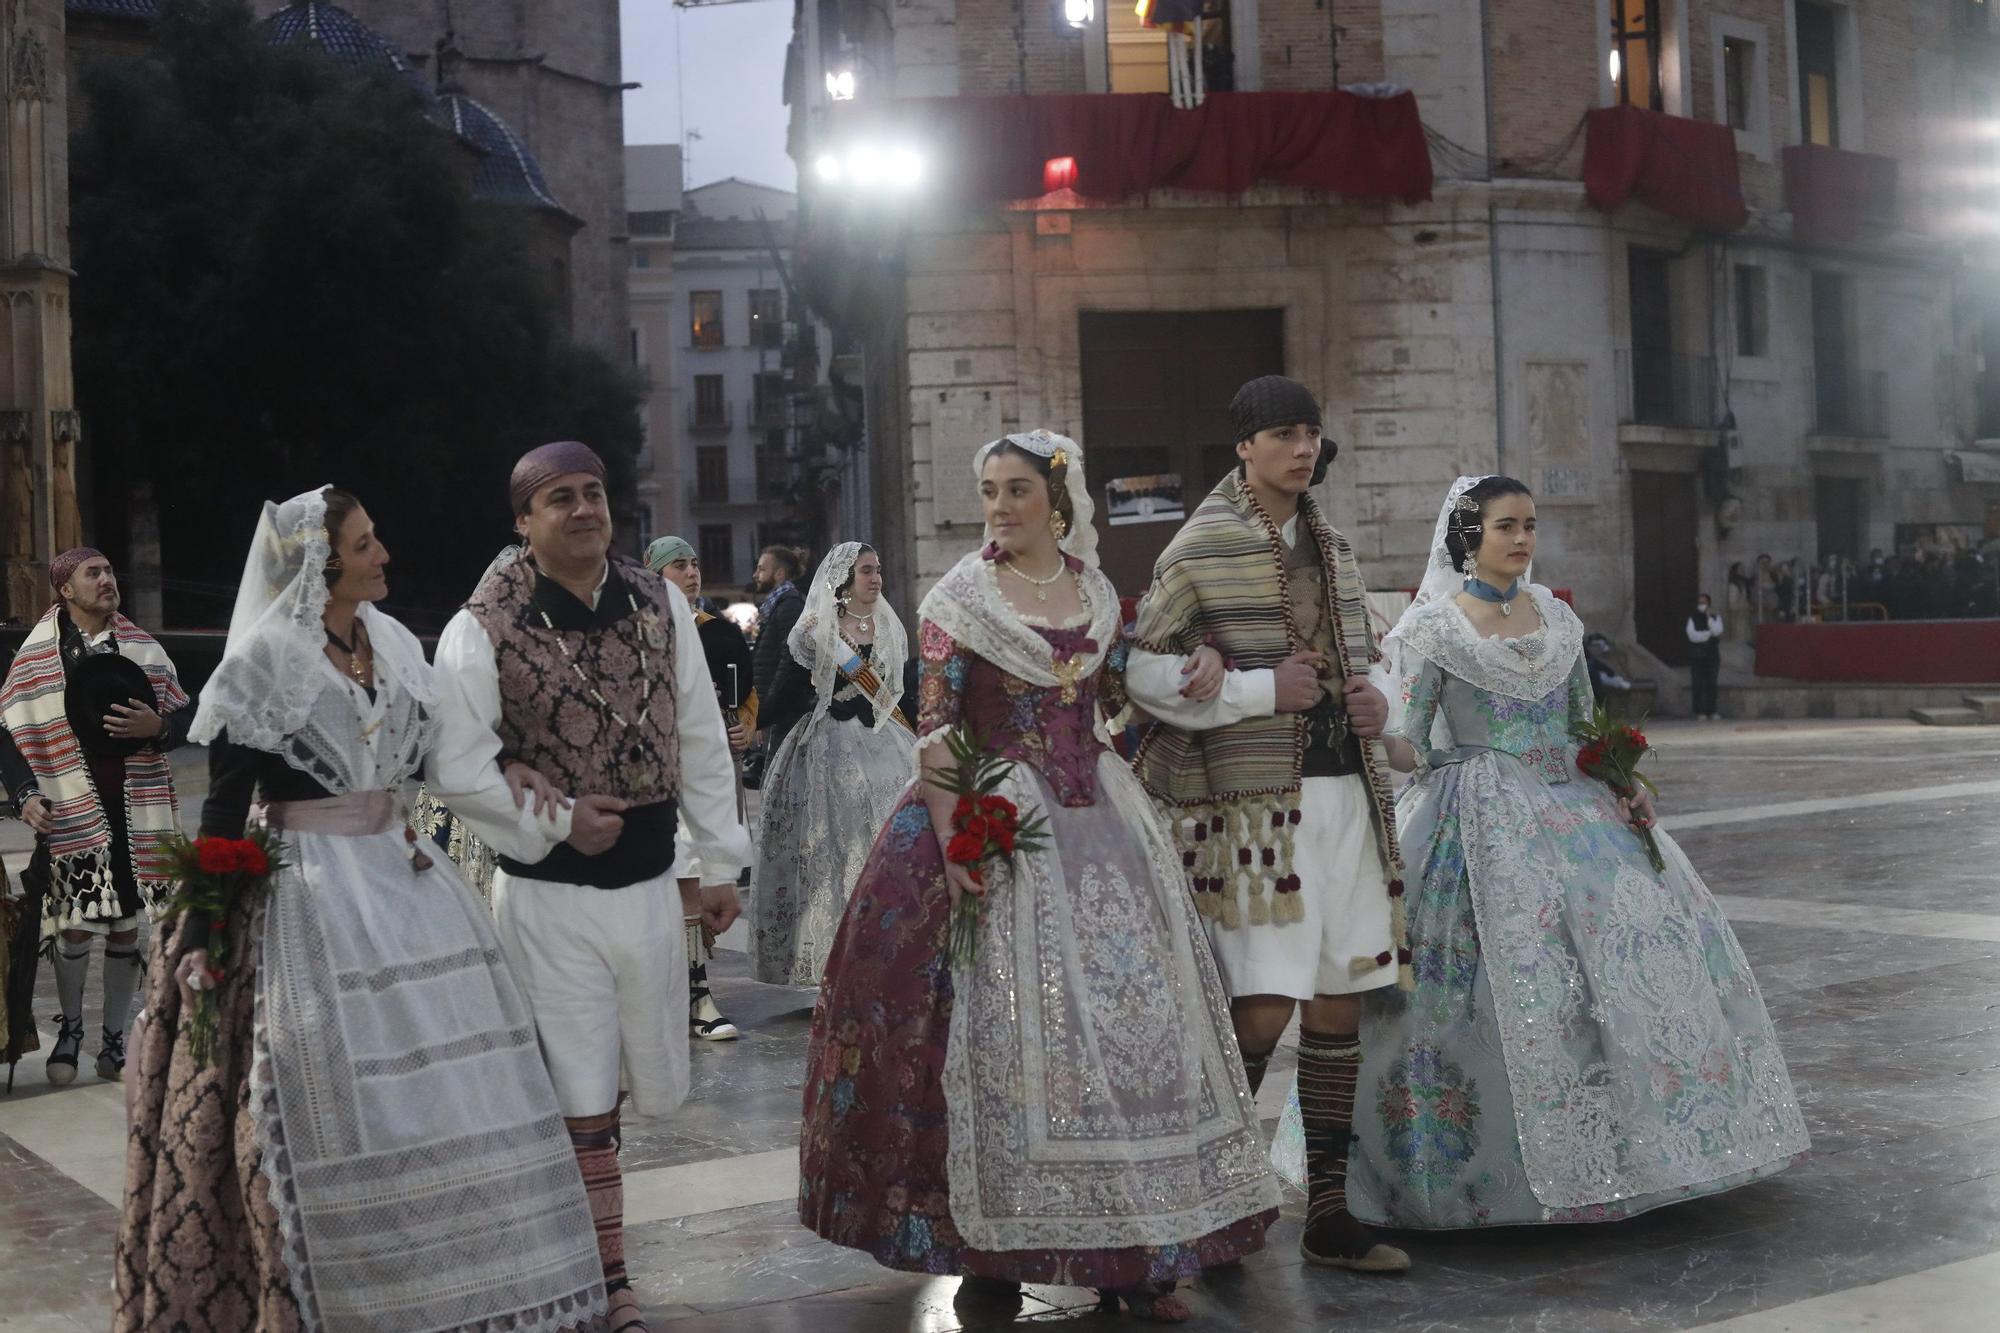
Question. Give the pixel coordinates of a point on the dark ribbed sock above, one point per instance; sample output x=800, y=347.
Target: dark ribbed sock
x=1255, y=1063
x=1329, y=1065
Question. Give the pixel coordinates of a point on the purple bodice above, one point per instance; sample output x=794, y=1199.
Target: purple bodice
x=1028, y=723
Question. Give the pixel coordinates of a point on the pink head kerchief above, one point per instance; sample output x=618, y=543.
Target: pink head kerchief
x=64, y=566
x=544, y=463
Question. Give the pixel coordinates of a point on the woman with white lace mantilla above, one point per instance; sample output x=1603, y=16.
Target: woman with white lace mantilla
x=837, y=775
x=1066, y=1104
x=376, y=1144
x=1585, y=1040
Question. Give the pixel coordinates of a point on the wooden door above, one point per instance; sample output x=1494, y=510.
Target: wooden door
x=1156, y=391
x=1665, y=573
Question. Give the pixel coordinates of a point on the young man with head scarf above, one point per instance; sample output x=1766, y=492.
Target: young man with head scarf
x=587, y=670
x=90, y=708
x=1252, y=651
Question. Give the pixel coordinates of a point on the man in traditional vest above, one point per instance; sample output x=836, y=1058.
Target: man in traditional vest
x=586, y=669
x=91, y=706
x=1252, y=651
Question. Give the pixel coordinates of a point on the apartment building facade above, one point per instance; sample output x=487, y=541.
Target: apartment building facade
x=1712, y=276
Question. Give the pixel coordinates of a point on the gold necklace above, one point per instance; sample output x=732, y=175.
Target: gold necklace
x=354, y=653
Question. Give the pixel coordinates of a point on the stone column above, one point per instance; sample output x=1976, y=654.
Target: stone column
x=39, y=430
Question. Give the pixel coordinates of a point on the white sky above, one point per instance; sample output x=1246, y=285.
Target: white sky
x=718, y=71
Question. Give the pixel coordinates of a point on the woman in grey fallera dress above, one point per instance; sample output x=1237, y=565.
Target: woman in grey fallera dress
x=1585, y=1040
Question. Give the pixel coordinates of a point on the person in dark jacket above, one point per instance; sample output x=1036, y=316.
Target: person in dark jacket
x=1704, y=636
x=779, y=569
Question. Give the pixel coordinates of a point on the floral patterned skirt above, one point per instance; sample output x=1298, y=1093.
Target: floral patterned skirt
x=1585, y=1040
x=872, y=1147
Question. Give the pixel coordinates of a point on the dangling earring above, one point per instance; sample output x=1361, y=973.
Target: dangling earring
x=1058, y=525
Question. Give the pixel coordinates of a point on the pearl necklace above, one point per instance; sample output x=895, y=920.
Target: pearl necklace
x=1041, y=586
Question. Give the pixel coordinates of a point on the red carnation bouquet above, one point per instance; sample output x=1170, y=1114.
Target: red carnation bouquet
x=985, y=826
x=214, y=877
x=1610, y=750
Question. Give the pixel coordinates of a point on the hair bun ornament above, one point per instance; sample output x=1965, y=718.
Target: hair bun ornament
x=1466, y=504
x=1060, y=458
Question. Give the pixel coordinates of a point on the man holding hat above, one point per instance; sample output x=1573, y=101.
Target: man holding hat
x=1252, y=651
x=90, y=708
x=586, y=670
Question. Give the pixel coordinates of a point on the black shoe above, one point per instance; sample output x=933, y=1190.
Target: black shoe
x=705, y=1019
x=62, y=1060
x=1337, y=1240
x=111, y=1056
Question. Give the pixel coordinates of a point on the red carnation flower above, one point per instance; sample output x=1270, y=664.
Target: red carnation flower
x=965, y=848
x=250, y=858
x=963, y=808
x=216, y=856
x=997, y=805
x=1005, y=838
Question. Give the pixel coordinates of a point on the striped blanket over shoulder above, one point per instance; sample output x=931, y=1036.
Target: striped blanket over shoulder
x=82, y=887
x=1232, y=793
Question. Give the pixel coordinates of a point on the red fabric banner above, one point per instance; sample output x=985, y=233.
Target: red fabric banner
x=1897, y=652
x=1834, y=195
x=993, y=148
x=1684, y=168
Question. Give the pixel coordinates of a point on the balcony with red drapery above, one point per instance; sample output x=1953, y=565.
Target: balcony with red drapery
x=1112, y=146
x=1681, y=167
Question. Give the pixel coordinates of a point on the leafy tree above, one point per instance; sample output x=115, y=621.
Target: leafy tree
x=283, y=280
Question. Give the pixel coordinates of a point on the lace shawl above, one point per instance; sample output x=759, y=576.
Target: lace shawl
x=968, y=605
x=1526, y=667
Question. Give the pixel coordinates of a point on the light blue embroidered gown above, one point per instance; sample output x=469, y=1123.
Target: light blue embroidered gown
x=1585, y=1040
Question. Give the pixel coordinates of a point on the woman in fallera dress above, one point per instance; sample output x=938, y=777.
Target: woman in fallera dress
x=376, y=1145
x=837, y=774
x=1585, y=1040
x=1067, y=1105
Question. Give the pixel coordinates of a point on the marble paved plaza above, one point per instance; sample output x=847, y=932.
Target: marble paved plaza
x=1858, y=861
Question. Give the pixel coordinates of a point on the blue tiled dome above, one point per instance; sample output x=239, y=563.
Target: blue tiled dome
x=346, y=39
x=507, y=171
x=338, y=33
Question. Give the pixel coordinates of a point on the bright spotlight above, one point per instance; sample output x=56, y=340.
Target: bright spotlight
x=840, y=85
x=1079, y=13
x=828, y=167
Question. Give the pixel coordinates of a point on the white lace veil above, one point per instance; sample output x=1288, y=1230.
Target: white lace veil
x=815, y=642
x=1440, y=581
x=1081, y=539
x=270, y=676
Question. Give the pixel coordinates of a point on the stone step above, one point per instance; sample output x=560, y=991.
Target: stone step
x=1948, y=717
x=1986, y=705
